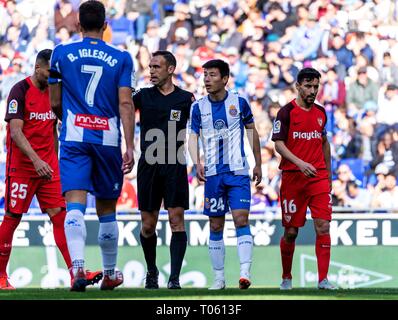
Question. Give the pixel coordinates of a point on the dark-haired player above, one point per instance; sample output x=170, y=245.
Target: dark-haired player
x=90, y=90
x=32, y=164
x=220, y=119
x=300, y=138
x=161, y=172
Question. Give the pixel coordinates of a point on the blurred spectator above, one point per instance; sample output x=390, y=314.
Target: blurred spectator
x=237, y=67
x=369, y=140
x=21, y=28
x=361, y=91
x=277, y=21
x=344, y=175
x=14, y=75
x=359, y=45
x=341, y=52
x=386, y=155
x=356, y=197
x=387, y=197
x=139, y=12
x=259, y=201
x=283, y=74
x=389, y=70
x=182, y=22
x=122, y=27
x=338, y=193
x=306, y=40
x=387, y=112
x=332, y=92
x=63, y=36
x=205, y=13
x=65, y=16
x=230, y=37
x=151, y=39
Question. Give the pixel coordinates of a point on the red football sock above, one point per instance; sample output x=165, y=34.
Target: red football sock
x=59, y=236
x=322, y=250
x=287, y=251
x=7, y=230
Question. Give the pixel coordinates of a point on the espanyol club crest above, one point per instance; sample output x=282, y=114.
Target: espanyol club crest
x=233, y=111
x=320, y=121
x=207, y=203
x=175, y=115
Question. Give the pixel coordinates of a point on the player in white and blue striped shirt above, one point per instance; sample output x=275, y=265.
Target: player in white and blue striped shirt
x=219, y=119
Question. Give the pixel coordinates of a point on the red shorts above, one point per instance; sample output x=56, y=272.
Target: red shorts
x=299, y=192
x=20, y=191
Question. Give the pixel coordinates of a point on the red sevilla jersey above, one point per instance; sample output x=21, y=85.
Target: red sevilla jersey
x=302, y=131
x=28, y=103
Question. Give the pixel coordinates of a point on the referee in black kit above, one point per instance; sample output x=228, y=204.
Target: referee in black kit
x=161, y=172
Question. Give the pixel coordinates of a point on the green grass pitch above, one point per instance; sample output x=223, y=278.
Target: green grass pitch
x=255, y=293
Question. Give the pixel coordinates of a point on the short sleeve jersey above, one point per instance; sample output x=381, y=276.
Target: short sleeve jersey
x=28, y=103
x=91, y=72
x=220, y=125
x=302, y=131
x=164, y=114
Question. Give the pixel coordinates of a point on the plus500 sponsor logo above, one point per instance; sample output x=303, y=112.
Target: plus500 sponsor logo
x=89, y=121
x=42, y=116
x=307, y=135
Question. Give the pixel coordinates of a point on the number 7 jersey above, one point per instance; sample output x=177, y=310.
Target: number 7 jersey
x=91, y=72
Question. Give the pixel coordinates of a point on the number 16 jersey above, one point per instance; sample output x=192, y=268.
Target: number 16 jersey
x=91, y=72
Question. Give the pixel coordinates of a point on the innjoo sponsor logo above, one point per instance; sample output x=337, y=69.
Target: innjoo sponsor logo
x=307, y=135
x=90, y=121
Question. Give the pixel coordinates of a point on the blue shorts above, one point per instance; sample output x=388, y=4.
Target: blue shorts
x=224, y=191
x=91, y=167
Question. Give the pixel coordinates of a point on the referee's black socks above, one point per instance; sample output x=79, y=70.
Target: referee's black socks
x=149, y=247
x=178, y=245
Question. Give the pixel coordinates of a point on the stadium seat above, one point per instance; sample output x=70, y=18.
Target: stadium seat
x=357, y=167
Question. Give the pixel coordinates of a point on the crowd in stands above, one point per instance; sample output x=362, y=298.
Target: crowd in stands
x=353, y=43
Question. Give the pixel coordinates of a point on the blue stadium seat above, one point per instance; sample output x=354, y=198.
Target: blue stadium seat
x=358, y=167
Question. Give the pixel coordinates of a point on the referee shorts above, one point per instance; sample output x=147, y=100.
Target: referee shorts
x=167, y=182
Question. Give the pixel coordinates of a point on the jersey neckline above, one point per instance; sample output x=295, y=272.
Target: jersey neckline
x=220, y=101
x=301, y=108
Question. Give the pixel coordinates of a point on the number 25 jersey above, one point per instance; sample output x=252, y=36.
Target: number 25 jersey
x=91, y=72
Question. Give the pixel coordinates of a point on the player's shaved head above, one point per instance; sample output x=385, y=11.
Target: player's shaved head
x=168, y=56
x=92, y=15
x=43, y=57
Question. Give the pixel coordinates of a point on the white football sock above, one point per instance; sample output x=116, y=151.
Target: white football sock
x=108, y=235
x=245, y=252
x=75, y=233
x=217, y=257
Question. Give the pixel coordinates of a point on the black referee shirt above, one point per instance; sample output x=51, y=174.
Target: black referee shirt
x=165, y=112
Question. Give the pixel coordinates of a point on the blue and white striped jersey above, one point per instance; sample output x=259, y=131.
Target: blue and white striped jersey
x=220, y=125
x=91, y=72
